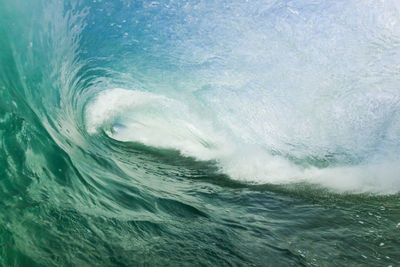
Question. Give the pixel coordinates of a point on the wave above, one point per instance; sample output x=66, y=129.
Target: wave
x=281, y=94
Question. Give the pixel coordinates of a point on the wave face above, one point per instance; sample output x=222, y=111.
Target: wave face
x=233, y=132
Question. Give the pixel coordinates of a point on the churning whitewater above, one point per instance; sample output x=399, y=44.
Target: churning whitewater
x=157, y=121
x=199, y=132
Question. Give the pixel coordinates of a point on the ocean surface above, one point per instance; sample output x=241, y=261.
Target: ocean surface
x=200, y=133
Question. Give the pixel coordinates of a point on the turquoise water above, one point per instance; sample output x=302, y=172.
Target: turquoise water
x=261, y=133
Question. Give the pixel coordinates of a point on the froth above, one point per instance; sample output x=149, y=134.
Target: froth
x=162, y=122
x=155, y=120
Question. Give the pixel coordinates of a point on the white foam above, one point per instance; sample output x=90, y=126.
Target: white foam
x=155, y=120
x=110, y=104
x=162, y=122
x=260, y=167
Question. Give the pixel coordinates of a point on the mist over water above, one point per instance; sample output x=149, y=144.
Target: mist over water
x=237, y=132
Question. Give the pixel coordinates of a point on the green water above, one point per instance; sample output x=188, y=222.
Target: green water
x=125, y=196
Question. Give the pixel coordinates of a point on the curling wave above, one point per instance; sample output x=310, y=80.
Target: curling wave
x=199, y=132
